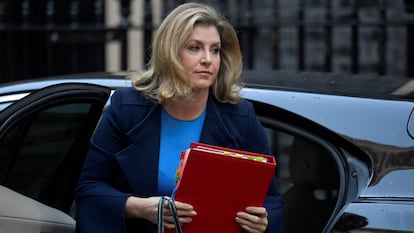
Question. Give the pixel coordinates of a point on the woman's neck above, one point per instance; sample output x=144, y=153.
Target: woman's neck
x=185, y=109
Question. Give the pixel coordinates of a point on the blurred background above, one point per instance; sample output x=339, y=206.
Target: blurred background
x=40, y=38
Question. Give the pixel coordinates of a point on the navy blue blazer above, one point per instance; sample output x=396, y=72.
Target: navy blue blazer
x=123, y=159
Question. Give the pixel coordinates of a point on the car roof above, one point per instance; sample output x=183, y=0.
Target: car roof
x=357, y=85
x=104, y=78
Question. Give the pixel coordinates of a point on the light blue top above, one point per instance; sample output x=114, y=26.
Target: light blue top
x=176, y=136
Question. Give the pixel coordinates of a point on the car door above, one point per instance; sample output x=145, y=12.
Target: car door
x=318, y=171
x=43, y=142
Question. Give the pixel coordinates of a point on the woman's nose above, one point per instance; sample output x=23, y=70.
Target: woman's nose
x=206, y=57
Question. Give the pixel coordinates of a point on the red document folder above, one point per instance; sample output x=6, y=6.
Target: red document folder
x=219, y=182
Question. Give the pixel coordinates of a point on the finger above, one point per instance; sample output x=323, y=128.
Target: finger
x=183, y=206
x=250, y=227
x=183, y=209
x=168, y=219
x=183, y=220
x=186, y=213
x=168, y=225
x=258, y=223
x=183, y=217
x=246, y=217
x=258, y=211
x=180, y=207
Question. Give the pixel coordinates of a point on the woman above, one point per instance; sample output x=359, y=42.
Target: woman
x=190, y=93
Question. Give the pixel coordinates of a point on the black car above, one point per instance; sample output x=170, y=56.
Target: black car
x=344, y=146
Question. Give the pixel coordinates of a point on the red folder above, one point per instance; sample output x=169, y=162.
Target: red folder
x=219, y=182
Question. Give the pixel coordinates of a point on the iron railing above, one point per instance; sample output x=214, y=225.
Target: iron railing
x=52, y=37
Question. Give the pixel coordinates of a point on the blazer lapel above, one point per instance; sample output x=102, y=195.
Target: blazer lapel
x=139, y=161
x=214, y=131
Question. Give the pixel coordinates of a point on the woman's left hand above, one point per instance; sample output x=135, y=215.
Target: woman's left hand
x=253, y=220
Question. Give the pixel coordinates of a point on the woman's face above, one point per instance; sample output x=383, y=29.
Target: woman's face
x=200, y=56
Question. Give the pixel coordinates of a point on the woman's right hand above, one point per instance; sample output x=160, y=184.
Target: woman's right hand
x=147, y=208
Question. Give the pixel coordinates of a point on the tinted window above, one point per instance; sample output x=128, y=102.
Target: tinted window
x=308, y=179
x=35, y=153
x=3, y=105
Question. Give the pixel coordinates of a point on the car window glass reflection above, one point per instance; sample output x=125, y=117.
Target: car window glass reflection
x=309, y=181
x=394, y=184
x=37, y=147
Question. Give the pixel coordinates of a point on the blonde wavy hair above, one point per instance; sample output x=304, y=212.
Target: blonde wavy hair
x=166, y=78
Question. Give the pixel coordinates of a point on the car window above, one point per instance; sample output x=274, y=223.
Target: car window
x=308, y=180
x=43, y=146
x=3, y=105
x=33, y=155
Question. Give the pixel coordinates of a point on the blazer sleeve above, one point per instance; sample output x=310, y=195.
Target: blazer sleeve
x=258, y=142
x=99, y=205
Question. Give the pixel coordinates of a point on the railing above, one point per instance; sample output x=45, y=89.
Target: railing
x=52, y=37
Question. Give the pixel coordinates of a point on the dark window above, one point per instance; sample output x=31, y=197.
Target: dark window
x=38, y=154
x=308, y=178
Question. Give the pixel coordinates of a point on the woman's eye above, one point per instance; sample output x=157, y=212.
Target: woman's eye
x=215, y=50
x=194, y=48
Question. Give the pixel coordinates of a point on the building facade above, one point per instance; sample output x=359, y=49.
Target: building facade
x=52, y=37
